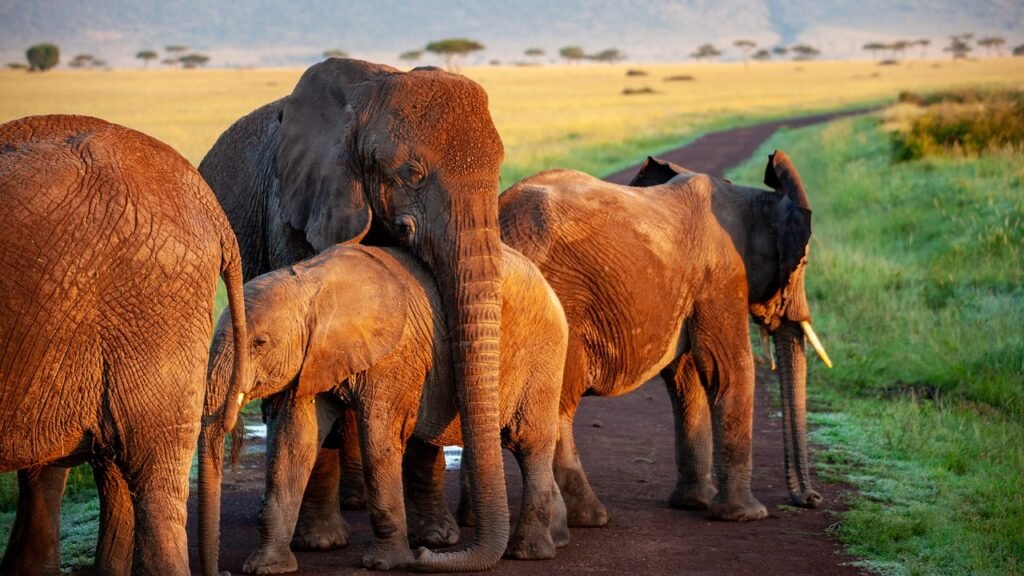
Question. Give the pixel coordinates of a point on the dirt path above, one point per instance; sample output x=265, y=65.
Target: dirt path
x=626, y=445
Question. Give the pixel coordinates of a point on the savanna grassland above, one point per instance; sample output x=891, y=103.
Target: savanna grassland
x=915, y=277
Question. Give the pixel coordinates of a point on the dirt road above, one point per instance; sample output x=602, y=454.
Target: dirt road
x=626, y=445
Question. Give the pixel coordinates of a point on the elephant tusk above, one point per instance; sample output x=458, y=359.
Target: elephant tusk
x=241, y=398
x=816, y=343
x=766, y=348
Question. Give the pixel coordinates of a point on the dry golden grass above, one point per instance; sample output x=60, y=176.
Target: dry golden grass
x=548, y=116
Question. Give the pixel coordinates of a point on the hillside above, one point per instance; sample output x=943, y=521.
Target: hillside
x=269, y=33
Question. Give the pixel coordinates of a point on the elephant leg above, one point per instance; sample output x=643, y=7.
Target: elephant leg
x=582, y=505
x=426, y=511
x=117, y=520
x=724, y=362
x=382, y=446
x=34, y=545
x=464, y=511
x=352, y=489
x=320, y=525
x=293, y=440
x=541, y=519
x=694, y=486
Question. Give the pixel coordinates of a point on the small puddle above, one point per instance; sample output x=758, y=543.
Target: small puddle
x=452, y=457
x=256, y=431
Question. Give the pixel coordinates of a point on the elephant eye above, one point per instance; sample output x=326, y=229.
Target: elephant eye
x=413, y=174
x=260, y=341
x=405, y=228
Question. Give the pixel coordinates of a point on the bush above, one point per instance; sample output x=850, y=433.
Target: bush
x=42, y=56
x=961, y=122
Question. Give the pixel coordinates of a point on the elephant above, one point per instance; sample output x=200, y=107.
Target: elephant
x=693, y=430
x=113, y=245
x=364, y=326
x=658, y=280
x=363, y=152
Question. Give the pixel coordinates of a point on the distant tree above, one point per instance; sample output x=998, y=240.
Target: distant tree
x=335, y=53
x=762, y=54
x=991, y=42
x=923, y=43
x=451, y=49
x=174, y=53
x=535, y=53
x=410, y=56
x=99, y=63
x=42, y=57
x=805, y=52
x=81, y=61
x=958, y=47
x=745, y=47
x=572, y=54
x=169, y=62
x=1017, y=51
x=17, y=66
x=610, y=55
x=706, y=51
x=899, y=49
x=194, y=60
x=873, y=47
x=146, y=56
x=780, y=50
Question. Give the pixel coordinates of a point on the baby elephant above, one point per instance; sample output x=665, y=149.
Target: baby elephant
x=363, y=327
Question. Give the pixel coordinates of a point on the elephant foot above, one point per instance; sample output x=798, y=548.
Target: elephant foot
x=352, y=492
x=270, y=560
x=585, y=512
x=692, y=496
x=559, y=523
x=435, y=530
x=387, y=556
x=809, y=499
x=742, y=509
x=321, y=531
x=531, y=544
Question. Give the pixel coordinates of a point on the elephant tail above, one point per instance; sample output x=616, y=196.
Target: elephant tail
x=231, y=269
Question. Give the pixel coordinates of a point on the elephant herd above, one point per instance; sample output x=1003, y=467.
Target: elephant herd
x=393, y=303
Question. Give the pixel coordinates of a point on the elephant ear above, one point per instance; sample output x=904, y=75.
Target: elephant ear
x=321, y=195
x=793, y=221
x=357, y=317
x=655, y=171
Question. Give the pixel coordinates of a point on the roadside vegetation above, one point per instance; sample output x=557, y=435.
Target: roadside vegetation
x=917, y=288
x=919, y=261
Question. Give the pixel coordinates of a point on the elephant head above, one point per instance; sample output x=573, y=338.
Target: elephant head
x=414, y=157
x=772, y=230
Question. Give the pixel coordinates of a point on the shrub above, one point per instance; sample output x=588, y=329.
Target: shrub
x=961, y=122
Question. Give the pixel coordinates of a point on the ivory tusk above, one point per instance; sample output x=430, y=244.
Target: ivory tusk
x=766, y=348
x=816, y=343
x=241, y=398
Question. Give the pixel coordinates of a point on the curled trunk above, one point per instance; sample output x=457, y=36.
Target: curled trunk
x=792, y=365
x=471, y=292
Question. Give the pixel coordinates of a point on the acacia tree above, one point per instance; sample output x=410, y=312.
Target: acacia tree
x=146, y=56
x=82, y=61
x=780, y=51
x=923, y=43
x=410, y=56
x=174, y=53
x=762, y=54
x=873, y=47
x=42, y=57
x=335, y=53
x=991, y=42
x=958, y=46
x=572, y=54
x=451, y=49
x=534, y=53
x=194, y=60
x=745, y=47
x=1018, y=50
x=610, y=55
x=706, y=51
x=805, y=52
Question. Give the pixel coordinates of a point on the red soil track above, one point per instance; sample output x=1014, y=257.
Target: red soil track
x=626, y=445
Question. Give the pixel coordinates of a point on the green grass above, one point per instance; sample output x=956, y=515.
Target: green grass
x=916, y=288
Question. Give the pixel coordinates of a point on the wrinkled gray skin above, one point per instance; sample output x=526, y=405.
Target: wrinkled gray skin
x=364, y=327
x=657, y=280
x=694, y=446
x=360, y=151
x=112, y=248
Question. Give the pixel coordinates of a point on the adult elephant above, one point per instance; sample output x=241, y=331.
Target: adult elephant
x=112, y=245
x=782, y=316
x=359, y=151
x=658, y=280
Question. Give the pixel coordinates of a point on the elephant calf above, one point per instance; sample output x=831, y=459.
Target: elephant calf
x=363, y=327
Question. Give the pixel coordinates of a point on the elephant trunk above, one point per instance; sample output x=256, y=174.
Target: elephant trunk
x=211, y=461
x=471, y=294
x=792, y=367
